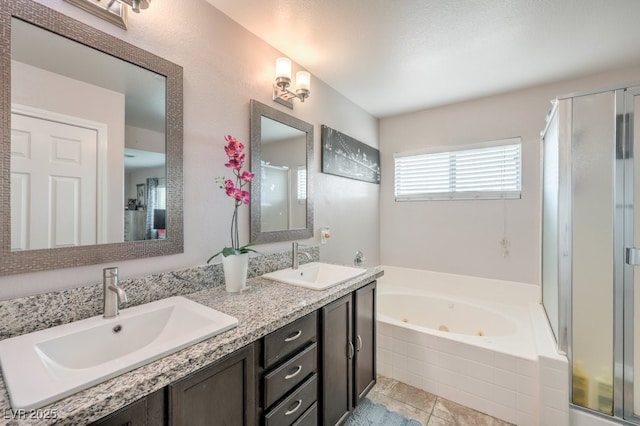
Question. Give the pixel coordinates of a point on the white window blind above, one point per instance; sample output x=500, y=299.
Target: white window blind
x=492, y=171
x=302, y=183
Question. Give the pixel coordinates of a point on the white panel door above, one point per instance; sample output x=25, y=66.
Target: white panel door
x=53, y=184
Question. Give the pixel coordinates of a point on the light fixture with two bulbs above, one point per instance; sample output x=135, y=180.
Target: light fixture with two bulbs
x=136, y=5
x=281, y=92
x=113, y=11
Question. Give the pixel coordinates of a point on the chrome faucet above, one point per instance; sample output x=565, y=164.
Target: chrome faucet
x=294, y=255
x=359, y=259
x=112, y=293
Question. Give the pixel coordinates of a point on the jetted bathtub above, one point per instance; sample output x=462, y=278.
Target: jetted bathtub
x=483, y=343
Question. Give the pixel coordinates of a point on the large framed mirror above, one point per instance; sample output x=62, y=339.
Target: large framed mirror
x=90, y=145
x=282, y=161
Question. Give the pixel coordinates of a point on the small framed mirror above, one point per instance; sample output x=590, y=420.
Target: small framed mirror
x=282, y=161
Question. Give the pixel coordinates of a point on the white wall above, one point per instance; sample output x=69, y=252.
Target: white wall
x=144, y=139
x=224, y=67
x=462, y=237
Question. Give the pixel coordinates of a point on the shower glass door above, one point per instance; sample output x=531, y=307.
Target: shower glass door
x=593, y=201
x=631, y=296
x=591, y=271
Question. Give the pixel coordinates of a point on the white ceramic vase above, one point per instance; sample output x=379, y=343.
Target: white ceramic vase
x=235, y=271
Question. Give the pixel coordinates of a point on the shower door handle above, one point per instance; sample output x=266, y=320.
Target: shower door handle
x=633, y=256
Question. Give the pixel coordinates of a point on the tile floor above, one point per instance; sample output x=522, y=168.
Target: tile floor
x=428, y=409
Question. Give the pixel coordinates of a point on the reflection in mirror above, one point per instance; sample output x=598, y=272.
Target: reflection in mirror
x=281, y=154
x=283, y=177
x=90, y=145
x=76, y=164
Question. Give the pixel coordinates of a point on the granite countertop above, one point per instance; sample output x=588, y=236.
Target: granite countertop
x=262, y=309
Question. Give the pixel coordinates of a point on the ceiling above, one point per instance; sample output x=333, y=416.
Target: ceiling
x=396, y=56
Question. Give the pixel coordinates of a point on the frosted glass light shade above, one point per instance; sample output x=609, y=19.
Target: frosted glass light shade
x=303, y=80
x=283, y=68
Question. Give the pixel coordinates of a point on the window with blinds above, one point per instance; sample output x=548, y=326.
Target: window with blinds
x=491, y=171
x=302, y=183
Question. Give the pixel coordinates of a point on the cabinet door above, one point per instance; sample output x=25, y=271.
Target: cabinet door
x=134, y=414
x=146, y=411
x=221, y=394
x=365, y=341
x=337, y=360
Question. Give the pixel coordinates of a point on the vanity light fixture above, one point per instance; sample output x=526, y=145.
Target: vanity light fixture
x=281, y=92
x=136, y=5
x=113, y=11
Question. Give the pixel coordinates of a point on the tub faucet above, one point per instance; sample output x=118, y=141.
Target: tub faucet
x=112, y=293
x=294, y=255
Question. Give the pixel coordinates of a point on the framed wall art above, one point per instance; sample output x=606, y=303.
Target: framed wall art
x=345, y=156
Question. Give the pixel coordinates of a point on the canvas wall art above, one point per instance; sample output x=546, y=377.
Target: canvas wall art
x=345, y=156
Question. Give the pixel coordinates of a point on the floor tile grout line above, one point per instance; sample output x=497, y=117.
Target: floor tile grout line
x=430, y=414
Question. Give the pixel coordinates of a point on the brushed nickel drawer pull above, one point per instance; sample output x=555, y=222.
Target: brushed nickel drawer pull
x=294, y=374
x=359, y=343
x=293, y=410
x=352, y=351
x=293, y=336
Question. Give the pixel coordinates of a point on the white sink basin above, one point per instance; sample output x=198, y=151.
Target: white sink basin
x=48, y=365
x=315, y=275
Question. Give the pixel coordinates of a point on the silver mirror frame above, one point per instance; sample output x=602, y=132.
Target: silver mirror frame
x=259, y=110
x=16, y=262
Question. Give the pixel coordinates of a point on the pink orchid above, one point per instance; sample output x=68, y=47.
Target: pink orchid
x=247, y=176
x=234, y=149
x=233, y=164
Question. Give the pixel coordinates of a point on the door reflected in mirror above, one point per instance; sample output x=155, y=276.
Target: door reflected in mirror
x=283, y=177
x=88, y=144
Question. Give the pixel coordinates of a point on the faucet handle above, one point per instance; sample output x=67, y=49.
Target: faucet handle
x=359, y=259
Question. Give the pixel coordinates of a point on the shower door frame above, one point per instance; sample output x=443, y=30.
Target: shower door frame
x=623, y=279
x=625, y=360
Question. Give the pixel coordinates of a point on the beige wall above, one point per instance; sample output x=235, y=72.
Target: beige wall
x=462, y=237
x=224, y=67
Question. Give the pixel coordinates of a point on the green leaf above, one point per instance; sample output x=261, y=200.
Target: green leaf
x=230, y=251
x=211, y=258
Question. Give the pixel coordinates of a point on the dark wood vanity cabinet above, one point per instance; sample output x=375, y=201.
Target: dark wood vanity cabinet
x=288, y=382
x=365, y=335
x=348, y=353
x=147, y=411
x=220, y=394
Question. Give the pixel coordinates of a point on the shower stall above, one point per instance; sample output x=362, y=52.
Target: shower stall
x=591, y=246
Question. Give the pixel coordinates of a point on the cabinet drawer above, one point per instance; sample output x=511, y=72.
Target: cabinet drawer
x=293, y=407
x=309, y=418
x=289, y=338
x=281, y=380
